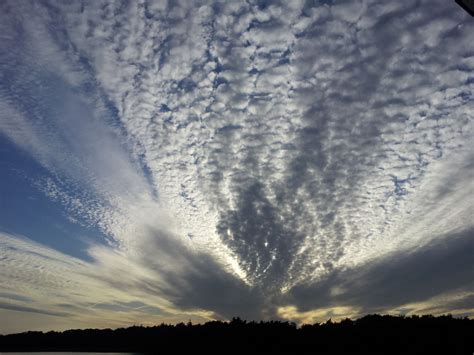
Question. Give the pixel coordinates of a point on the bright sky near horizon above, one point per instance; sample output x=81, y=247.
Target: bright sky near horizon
x=301, y=160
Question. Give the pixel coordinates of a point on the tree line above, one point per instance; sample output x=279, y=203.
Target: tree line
x=370, y=334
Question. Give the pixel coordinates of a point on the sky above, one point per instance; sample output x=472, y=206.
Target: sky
x=195, y=160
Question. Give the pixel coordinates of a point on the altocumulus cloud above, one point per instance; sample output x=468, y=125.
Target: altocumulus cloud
x=263, y=159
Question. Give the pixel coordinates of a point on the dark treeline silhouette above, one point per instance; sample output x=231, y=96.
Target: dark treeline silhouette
x=370, y=334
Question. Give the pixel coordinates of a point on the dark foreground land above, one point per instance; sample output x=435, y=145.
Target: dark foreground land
x=373, y=334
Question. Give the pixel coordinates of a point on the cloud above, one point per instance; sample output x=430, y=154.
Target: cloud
x=33, y=273
x=14, y=307
x=423, y=276
x=86, y=292
x=187, y=279
x=235, y=153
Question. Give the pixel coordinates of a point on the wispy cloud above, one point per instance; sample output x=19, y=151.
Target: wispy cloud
x=40, y=280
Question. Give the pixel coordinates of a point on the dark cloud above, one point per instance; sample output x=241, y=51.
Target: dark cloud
x=119, y=306
x=19, y=308
x=254, y=231
x=414, y=276
x=12, y=296
x=190, y=279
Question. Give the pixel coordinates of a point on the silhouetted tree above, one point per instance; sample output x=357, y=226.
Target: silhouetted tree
x=371, y=334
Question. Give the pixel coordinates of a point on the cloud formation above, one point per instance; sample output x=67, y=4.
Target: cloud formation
x=250, y=157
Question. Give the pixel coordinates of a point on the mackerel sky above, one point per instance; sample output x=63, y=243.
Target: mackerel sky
x=298, y=160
